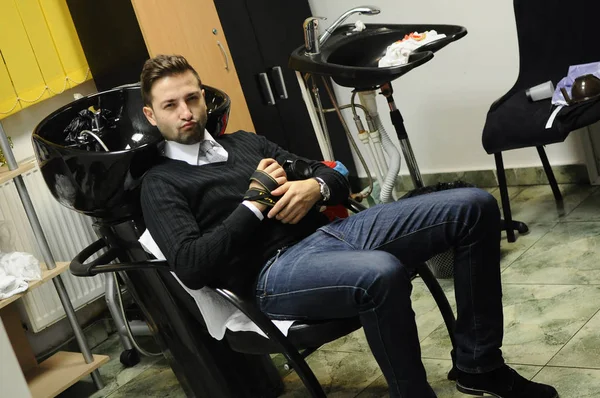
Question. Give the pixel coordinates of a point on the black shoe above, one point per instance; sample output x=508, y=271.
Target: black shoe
x=502, y=383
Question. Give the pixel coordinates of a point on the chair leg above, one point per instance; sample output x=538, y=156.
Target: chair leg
x=289, y=351
x=508, y=224
x=549, y=173
x=444, y=306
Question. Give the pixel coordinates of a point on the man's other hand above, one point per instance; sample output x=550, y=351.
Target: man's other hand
x=297, y=198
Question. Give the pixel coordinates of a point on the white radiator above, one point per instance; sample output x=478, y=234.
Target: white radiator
x=67, y=233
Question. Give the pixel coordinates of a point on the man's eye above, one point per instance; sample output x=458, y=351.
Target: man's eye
x=167, y=106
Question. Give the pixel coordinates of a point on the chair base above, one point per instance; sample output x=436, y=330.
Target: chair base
x=511, y=227
x=508, y=224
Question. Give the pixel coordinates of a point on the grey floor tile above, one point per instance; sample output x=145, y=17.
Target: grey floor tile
x=588, y=210
x=511, y=251
x=437, y=372
x=538, y=321
x=568, y=254
x=583, y=351
x=113, y=373
x=536, y=204
x=341, y=374
x=571, y=382
x=512, y=193
x=158, y=381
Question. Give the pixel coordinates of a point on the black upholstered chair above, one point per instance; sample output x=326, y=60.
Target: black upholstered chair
x=552, y=35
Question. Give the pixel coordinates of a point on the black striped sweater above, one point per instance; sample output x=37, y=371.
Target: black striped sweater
x=195, y=215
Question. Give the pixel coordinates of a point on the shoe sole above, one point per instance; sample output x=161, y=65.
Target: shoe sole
x=479, y=393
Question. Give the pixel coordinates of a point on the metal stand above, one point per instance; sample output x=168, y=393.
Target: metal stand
x=130, y=356
x=47, y=255
x=398, y=122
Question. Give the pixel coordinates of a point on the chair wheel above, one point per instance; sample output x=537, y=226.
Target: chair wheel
x=452, y=374
x=130, y=358
x=521, y=227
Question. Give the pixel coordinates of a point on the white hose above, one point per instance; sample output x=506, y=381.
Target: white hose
x=364, y=137
x=387, y=188
x=96, y=137
x=375, y=137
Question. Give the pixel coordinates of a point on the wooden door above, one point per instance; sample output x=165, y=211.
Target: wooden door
x=192, y=28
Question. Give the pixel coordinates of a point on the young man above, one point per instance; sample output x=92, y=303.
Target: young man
x=218, y=227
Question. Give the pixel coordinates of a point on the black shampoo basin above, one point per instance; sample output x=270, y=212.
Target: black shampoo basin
x=105, y=184
x=351, y=58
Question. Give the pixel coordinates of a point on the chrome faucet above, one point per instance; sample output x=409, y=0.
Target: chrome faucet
x=312, y=41
x=362, y=10
x=311, y=35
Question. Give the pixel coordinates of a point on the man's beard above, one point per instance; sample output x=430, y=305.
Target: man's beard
x=197, y=136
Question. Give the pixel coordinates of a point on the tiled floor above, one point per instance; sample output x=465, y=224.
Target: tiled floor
x=551, y=284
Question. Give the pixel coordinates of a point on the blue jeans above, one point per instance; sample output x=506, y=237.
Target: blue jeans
x=362, y=266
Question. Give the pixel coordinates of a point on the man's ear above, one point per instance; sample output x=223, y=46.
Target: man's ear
x=149, y=115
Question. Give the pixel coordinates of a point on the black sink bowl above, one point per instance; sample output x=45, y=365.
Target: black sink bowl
x=106, y=184
x=351, y=58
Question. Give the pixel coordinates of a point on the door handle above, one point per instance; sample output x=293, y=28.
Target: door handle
x=224, y=54
x=279, y=82
x=266, y=88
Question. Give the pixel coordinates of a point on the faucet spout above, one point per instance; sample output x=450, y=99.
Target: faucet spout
x=362, y=10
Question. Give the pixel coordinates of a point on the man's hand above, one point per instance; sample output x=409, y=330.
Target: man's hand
x=298, y=198
x=274, y=169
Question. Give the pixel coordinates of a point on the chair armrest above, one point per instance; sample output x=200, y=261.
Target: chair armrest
x=78, y=267
x=250, y=309
x=354, y=206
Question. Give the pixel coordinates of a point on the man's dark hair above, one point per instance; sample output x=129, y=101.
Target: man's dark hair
x=162, y=66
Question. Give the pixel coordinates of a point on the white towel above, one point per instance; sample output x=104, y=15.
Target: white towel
x=218, y=313
x=16, y=269
x=399, y=52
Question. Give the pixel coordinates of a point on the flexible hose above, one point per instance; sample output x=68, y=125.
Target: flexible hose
x=96, y=137
x=365, y=192
x=127, y=327
x=387, y=189
x=375, y=150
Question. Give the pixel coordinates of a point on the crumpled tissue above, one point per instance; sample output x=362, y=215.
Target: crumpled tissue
x=16, y=269
x=359, y=26
x=399, y=52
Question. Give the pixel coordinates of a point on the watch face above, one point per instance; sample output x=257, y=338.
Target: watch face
x=324, y=191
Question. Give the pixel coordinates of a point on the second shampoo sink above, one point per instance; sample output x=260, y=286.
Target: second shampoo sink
x=351, y=58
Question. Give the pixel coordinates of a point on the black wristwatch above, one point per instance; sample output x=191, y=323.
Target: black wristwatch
x=324, y=189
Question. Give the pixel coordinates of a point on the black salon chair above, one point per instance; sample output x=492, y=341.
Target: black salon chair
x=303, y=337
x=552, y=36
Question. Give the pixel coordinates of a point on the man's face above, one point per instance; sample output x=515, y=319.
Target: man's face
x=178, y=108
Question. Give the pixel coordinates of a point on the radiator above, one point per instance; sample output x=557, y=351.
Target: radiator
x=67, y=233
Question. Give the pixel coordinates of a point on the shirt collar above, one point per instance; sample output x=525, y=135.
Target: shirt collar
x=186, y=153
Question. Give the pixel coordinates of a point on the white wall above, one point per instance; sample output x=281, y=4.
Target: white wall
x=444, y=102
x=20, y=125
